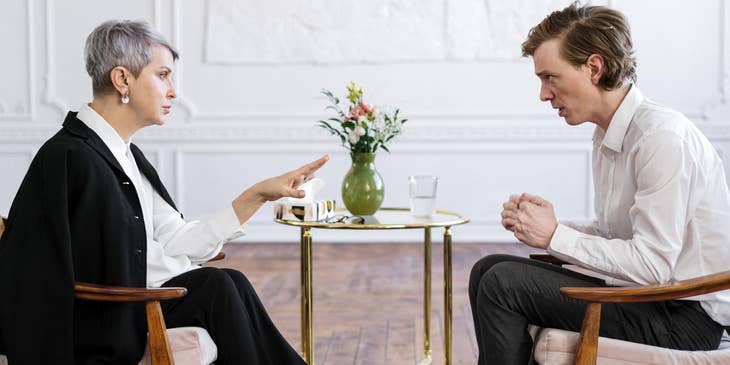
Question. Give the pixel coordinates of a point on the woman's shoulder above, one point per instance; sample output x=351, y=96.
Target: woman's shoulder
x=64, y=144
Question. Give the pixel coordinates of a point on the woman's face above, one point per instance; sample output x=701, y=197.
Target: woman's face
x=152, y=91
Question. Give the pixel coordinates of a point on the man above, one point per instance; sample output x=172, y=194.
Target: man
x=661, y=198
x=93, y=209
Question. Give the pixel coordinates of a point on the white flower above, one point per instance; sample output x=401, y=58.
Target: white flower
x=363, y=121
x=359, y=131
x=353, y=137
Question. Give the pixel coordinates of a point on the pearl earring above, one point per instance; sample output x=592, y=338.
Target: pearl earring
x=125, y=98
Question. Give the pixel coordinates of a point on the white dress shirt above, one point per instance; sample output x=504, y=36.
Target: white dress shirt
x=662, y=204
x=173, y=245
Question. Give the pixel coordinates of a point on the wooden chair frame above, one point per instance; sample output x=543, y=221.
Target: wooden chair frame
x=160, y=351
x=587, y=350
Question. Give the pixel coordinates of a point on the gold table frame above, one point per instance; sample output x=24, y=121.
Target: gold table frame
x=426, y=225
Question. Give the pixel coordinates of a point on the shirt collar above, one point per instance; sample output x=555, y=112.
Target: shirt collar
x=614, y=136
x=104, y=130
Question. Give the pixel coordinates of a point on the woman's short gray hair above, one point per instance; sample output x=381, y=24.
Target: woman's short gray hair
x=120, y=43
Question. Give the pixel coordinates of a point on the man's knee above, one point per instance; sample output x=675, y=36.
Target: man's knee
x=503, y=278
x=484, y=265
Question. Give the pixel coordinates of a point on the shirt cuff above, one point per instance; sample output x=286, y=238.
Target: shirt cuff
x=225, y=225
x=563, y=243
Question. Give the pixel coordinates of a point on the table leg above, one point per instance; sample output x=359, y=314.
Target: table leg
x=426, y=297
x=447, y=295
x=306, y=278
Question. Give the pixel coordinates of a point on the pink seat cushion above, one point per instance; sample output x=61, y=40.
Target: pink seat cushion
x=554, y=346
x=190, y=346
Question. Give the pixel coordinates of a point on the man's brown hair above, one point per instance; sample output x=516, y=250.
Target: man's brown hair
x=587, y=30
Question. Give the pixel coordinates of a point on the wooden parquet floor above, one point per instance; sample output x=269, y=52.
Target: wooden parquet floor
x=368, y=298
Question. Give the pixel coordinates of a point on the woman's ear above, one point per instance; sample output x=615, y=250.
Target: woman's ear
x=597, y=67
x=120, y=79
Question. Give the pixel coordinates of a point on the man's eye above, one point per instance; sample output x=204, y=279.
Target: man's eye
x=163, y=75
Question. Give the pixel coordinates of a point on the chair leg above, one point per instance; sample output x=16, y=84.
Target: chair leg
x=159, y=345
x=588, y=344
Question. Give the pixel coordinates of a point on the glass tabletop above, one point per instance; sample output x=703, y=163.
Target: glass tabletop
x=386, y=218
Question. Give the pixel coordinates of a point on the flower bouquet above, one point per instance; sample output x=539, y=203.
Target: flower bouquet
x=363, y=129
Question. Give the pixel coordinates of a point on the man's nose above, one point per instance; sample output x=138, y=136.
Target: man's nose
x=545, y=93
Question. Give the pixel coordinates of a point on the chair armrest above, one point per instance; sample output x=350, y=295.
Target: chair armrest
x=550, y=259
x=159, y=344
x=220, y=256
x=652, y=293
x=125, y=294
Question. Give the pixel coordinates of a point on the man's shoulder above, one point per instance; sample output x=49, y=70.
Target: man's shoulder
x=652, y=118
x=656, y=115
x=657, y=124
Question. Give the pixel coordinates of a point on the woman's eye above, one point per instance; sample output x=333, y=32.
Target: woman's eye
x=163, y=75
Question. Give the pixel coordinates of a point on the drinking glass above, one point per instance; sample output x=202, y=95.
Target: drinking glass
x=422, y=190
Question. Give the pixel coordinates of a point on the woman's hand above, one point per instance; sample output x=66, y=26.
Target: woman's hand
x=282, y=186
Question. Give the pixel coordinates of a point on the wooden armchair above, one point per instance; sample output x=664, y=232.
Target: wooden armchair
x=160, y=351
x=587, y=349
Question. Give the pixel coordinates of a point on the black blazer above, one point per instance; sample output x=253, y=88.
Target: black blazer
x=76, y=217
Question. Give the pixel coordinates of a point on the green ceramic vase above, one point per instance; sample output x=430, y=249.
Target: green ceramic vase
x=363, y=189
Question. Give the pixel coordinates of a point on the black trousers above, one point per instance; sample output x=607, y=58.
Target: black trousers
x=224, y=303
x=507, y=293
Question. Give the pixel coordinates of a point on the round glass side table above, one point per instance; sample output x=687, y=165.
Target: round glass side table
x=383, y=219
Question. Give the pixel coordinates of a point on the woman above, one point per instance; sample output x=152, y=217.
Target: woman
x=96, y=211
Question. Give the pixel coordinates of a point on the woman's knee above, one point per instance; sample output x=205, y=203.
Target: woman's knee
x=217, y=278
x=244, y=286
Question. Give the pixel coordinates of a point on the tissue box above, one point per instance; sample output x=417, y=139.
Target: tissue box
x=318, y=210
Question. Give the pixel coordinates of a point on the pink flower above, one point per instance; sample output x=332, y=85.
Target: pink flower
x=356, y=112
x=367, y=109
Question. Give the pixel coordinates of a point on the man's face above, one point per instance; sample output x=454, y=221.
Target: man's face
x=568, y=88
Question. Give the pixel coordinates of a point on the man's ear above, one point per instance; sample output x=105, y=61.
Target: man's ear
x=120, y=79
x=596, y=65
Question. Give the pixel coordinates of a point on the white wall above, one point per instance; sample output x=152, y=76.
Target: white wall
x=251, y=71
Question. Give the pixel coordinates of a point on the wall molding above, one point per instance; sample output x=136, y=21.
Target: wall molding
x=30, y=113
x=721, y=109
x=50, y=96
x=267, y=226
x=181, y=99
x=305, y=132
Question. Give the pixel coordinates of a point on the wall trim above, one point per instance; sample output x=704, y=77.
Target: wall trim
x=305, y=132
x=30, y=113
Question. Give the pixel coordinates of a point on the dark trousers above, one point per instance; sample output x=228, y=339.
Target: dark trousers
x=224, y=303
x=507, y=293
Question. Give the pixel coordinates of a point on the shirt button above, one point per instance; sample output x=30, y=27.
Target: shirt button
x=139, y=251
x=136, y=217
x=125, y=182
